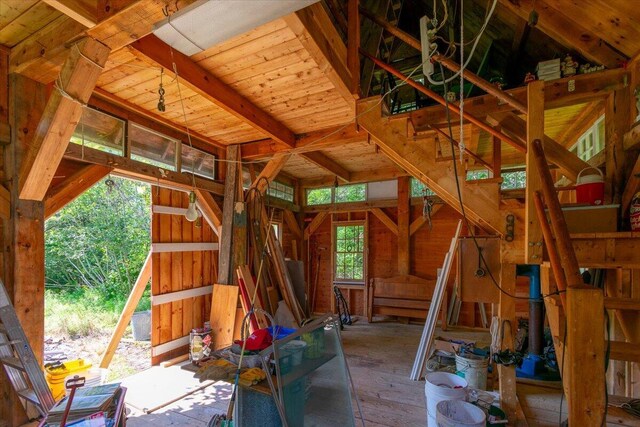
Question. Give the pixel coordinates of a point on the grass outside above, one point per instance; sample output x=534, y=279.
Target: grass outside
x=80, y=326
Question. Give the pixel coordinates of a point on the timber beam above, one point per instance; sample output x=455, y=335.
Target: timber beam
x=62, y=113
x=72, y=187
x=607, y=250
x=210, y=87
x=78, y=10
x=41, y=55
x=210, y=209
x=270, y=171
x=142, y=171
x=322, y=160
x=305, y=143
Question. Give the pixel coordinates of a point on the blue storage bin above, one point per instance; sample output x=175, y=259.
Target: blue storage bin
x=282, y=331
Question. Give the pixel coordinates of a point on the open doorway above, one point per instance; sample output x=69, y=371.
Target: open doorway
x=95, y=248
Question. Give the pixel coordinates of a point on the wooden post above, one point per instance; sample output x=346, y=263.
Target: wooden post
x=535, y=131
x=585, y=357
x=617, y=123
x=24, y=232
x=497, y=157
x=508, y=326
x=127, y=311
x=225, y=256
x=404, y=221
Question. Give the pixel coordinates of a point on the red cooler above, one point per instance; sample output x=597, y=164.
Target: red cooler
x=590, y=188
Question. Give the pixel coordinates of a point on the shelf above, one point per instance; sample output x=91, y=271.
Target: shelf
x=306, y=367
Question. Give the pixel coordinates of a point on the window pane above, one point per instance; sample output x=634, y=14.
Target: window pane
x=152, y=148
x=477, y=174
x=418, y=189
x=281, y=191
x=100, y=131
x=349, y=252
x=351, y=193
x=319, y=196
x=511, y=180
x=201, y=163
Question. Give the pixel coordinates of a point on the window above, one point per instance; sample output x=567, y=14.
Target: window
x=351, y=193
x=197, y=161
x=281, y=191
x=591, y=142
x=513, y=180
x=100, y=131
x=319, y=196
x=477, y=174
x=419, y=189
x=152, y=148
x=349, y=252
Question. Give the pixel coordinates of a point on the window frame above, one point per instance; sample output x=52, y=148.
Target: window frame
x=125, y=130
x=365, y=251
x=177, y=164
x=580, y=148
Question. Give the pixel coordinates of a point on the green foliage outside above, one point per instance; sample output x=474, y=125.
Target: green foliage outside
x=349, y=252
x=418, y=189
x=94, y=250
x=351, y=193
x=513, y=180
x=340, y=194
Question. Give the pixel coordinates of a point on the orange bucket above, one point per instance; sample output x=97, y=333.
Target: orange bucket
x=590, y=188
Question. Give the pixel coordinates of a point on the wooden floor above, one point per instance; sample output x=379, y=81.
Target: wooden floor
x=380, y=356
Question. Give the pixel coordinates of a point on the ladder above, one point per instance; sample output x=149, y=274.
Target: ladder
x=19, y=361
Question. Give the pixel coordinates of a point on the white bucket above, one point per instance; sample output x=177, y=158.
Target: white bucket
x=473, y=368
x=456, y=413
x=442, y=386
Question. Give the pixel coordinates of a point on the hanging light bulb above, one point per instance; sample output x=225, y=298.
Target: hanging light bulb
x=192, y=212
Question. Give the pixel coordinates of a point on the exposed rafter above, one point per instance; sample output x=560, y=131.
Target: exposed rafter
x=305, y=143
x=41, y=55
x=209, y=86
x=567, y=31
x=82, y=11
x=320, y=159
x=77, y=79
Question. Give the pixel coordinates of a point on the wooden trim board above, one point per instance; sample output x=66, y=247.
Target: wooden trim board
x=180, y=295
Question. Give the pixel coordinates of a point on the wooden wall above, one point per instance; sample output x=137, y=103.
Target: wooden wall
x=427, y=251
x=177, y=271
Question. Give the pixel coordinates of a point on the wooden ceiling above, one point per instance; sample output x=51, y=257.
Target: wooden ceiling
x=280, y=72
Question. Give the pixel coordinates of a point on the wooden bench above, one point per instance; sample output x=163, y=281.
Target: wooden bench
x=403, y=296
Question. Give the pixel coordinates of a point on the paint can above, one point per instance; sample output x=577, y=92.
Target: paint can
x=474, y=369
x=441, y=386
x=457, y=413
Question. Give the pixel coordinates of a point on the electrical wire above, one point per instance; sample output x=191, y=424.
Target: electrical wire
x=466, y=219
x=473, y=49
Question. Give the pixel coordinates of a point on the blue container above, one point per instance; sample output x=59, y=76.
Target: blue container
x=282, y=331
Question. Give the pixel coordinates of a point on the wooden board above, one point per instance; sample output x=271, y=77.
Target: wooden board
x=224, y=303
x=475, y=288
x=175, y=273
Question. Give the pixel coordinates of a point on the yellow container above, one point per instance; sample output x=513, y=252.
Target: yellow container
x=56, y=374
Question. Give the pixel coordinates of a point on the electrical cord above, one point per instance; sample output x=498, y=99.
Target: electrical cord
x=473, y=49
x=466, y=220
